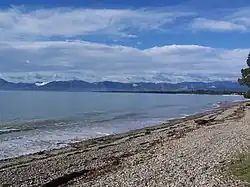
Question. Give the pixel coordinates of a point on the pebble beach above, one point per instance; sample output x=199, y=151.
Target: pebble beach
x=191, y=151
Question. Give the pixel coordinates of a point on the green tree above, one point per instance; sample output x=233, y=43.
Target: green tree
x=245, y=77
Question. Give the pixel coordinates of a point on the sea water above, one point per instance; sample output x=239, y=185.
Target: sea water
x=35, y=121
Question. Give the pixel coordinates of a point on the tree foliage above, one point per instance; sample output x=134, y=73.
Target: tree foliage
x=245, y=76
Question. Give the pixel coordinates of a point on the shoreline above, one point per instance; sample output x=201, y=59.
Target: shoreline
x=120, y=158
x=194, y=92
x=112, y=137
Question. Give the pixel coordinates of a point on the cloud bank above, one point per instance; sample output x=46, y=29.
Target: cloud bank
x=57, y=60
x=40, y=45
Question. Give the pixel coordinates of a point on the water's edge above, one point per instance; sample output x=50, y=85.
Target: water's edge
x=113, y=137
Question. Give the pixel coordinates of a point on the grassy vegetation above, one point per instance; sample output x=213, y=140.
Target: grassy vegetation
x=240, y=168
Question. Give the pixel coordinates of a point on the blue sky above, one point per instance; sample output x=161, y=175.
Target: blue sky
x=128, y=41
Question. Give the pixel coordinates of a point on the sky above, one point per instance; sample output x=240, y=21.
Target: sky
x=123, y=40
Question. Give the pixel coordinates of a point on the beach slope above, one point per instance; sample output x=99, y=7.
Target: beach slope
x=193, y=151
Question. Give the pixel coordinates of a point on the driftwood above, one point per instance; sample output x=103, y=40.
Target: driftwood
x=204, y=121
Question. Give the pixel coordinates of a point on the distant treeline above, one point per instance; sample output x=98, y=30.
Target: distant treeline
x=207, y=92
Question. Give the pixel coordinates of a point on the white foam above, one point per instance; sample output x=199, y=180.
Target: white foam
x=103, y=133
x=8, y=130
x=230, y=95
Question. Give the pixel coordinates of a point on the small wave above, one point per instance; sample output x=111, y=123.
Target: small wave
x=89, y=114
x=14, y=126
x=166, y=106
x=103, y=133
x=239, y=101
x=222, y=104
x=126, y=115
x=230, y=95
x=217, y=105
x=6, y=131
x=184, y=115
x=118, y=117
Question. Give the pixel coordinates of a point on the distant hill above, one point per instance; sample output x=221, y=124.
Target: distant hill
x=78, y=85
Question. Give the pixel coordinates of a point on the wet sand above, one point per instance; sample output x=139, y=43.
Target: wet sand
x=184, y=152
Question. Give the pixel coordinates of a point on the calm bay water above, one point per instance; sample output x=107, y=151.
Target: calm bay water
x=34, y=121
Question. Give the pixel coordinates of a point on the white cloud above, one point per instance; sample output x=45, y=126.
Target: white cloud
x=224, y=20
x=20, y=23
x=54, y=60
x=217, y=25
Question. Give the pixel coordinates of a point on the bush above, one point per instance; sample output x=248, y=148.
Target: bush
x=245, y=77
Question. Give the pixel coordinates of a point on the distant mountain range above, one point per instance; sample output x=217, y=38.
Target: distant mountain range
x=78, y=85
